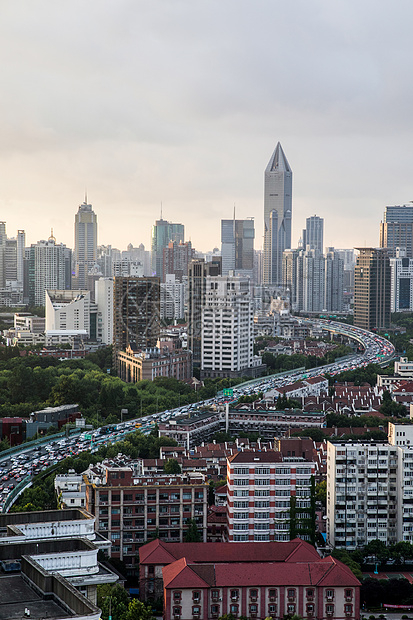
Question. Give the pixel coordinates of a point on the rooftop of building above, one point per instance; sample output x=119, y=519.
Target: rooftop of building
x=16, y=596
x=44, y=516
x=159, y=552
x=256, y=457
x=328, y=572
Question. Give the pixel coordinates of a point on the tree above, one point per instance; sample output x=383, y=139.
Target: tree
x=114, y=599
x=192, y=533
x=172, y=466
x=321, y=492
x=138, y=611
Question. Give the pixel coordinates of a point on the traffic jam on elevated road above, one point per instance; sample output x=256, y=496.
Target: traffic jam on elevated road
x=30, y=461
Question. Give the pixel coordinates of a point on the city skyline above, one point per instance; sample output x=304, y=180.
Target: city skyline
x=164, y=103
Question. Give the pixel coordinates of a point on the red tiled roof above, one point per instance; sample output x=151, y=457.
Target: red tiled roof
x=297, y=550
x=326, y=572
x=256, y=457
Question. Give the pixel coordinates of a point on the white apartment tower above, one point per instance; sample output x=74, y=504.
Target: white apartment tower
x=227, y=327
x=104, y=301
x=86, y=236
x=277, y=215
x=49, y=265
x=172, y=298
x=269, y=497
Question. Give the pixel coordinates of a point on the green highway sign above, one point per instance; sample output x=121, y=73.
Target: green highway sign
x=228, y=392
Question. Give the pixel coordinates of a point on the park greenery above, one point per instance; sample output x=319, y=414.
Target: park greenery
x=29, y=383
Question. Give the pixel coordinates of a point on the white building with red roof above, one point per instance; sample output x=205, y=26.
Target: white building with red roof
x=314, y=589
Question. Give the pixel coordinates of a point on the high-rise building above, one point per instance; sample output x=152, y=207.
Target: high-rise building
x=227, y=327
x=372, y=288
x=237, y=247
x=277, y=215
x=396, y=229
x=269, y=497
x=172, y=298
x=176, y=258
x=104, y=301
x=196, y=289
x=49, y=267
x=401, y=282
x=162, y=233
x=313, y=234
x=3, y=239
x=334, y=281
x=86, y=238
x=136, y=313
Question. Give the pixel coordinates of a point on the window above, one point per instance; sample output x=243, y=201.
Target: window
x=234, y=595
x=291, y=594
x=241, y=471
x=329, y=610
x=310, y=593
x=177, y=595
x=329, y=595
x=196, y=610
x=177, y=611
x=253, y=595
x=291, y=609
x=215, y=595
x=348, y=609
x=272, y=594
x=234, y=609
x=241, y=482
x=196, y=595
x=215, y=610
x=253, y=609
x=310, y=609
x=348, y=594
x=272, y=609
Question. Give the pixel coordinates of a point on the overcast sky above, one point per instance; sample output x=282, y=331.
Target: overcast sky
x=183, y=102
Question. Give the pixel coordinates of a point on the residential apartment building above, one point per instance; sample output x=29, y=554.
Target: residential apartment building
x=237, y=247
x=172, y=298
x=131, y=508
x=49, y=267
x=227, y=341
x=362, y=494
x=270, y=497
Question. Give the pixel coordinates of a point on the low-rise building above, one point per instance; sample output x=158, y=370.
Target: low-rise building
x=319, y=589
x=131, y=508
x=161, y=361
x=157, y=554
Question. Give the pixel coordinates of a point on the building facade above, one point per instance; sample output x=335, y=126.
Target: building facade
x=49, y=268
x=401, y=282
x=270, y=497
x=131, y=508
x=237, y=247
x=372, y=289
x=157, y=362
x=313, y=233
x=162, y=233
x=227, y=339
x=396, y=229
x=136, y=313
x=196, y=291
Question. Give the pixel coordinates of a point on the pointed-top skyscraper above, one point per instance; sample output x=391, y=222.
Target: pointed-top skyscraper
x=277, y=215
